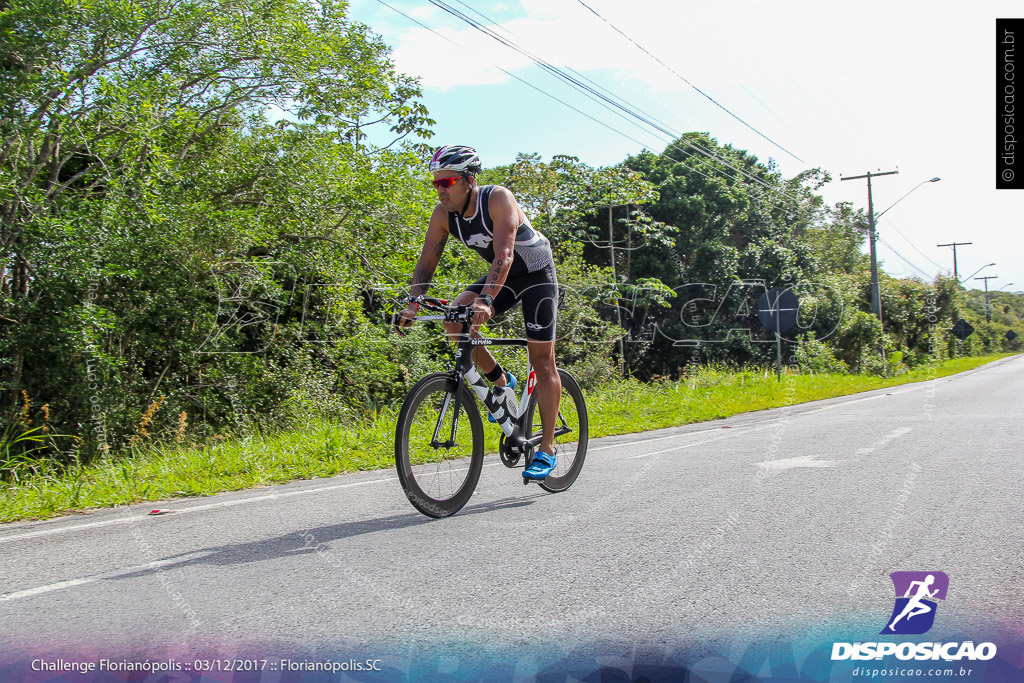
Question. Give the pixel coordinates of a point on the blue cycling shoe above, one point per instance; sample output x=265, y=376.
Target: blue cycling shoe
x=511, y=384
x=541, y=467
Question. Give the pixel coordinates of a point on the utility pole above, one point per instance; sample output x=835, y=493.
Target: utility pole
x=876, y=300
x=615, y=279
x=988, y=309
x=954, y=245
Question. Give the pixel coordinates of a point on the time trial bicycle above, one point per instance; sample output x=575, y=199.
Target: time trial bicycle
x=439, y=438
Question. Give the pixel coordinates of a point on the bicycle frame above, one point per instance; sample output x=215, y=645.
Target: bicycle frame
x=461, y=370
x=439, y=461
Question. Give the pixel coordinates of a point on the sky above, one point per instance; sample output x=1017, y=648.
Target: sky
x=846, y=87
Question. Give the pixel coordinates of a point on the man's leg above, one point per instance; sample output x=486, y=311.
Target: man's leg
x=540, y=313
x=549, y=389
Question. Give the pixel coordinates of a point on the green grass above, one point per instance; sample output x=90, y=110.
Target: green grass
x=325, y=449
x=714, y=394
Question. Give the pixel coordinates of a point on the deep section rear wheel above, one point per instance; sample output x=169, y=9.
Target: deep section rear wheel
x=572, y=433
x=438, y=467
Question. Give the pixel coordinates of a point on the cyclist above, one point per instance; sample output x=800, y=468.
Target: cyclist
x=488, y=220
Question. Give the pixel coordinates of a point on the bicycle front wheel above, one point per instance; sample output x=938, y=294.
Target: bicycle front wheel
x=572, y=434
x=439, y=446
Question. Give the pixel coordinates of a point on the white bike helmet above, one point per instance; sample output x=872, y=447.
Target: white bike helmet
x=458, y=158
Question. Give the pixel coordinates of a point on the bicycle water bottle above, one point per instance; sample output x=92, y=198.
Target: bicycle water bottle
x=497, y=405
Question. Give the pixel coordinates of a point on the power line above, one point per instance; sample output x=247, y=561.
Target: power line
x=589, y=94
x=517, y=78
x=771, y=111
x=604, y=101
x=594, y=83
x=548, y=67
x=905, y=259
x=956, y=274
x=673, y=138
x=578, y=85
x=685, y=80
x=643, y=145
x=914, y=247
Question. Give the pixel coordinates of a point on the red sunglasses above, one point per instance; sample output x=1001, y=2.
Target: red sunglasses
x=446, y=182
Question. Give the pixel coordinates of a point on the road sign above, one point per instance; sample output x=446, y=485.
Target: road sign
x=1010, y=335
x=962, y=330
x=777, y=309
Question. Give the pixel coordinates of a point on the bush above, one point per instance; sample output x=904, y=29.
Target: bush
x=817, y=357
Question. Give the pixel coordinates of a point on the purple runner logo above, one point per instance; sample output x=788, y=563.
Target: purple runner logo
x=917, y=594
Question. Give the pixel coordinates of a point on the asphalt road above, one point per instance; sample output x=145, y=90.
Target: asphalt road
x=780, y=526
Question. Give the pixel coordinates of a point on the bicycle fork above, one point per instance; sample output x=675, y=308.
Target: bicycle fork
x=464, y=369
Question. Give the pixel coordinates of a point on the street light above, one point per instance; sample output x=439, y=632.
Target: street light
x=923, y=182
x=876, y=297
x=1003, y=287
x=976, y=272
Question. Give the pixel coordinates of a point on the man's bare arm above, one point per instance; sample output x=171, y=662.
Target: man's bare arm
x=423, y=273
x=505, y=219
x=430, y=256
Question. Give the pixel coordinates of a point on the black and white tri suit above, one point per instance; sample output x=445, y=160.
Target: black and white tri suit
x=531, y=277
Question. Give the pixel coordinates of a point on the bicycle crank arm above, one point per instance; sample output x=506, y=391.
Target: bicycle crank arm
x=561, y=431
x=519, y=445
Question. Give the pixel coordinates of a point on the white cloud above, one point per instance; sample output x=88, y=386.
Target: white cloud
x=453, y=59
x=850, y=88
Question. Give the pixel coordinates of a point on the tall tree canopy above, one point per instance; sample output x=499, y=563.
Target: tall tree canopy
x=173, y=168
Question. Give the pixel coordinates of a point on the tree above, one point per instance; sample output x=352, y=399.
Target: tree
x=836, y=242
x=737, y=221
x=155, y=151
x=553, y=194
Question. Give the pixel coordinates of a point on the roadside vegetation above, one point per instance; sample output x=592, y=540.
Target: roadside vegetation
x=323, y=449
x=200, y=249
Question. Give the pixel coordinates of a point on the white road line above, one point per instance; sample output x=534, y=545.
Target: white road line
x=685, y=446
x=180, y=511
x=653, y=439
x=894, y=434
x=800, y=461
x=47, y=589
x=743, y=429
x=866, y=398
x=61, y=585
x=58, y=530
